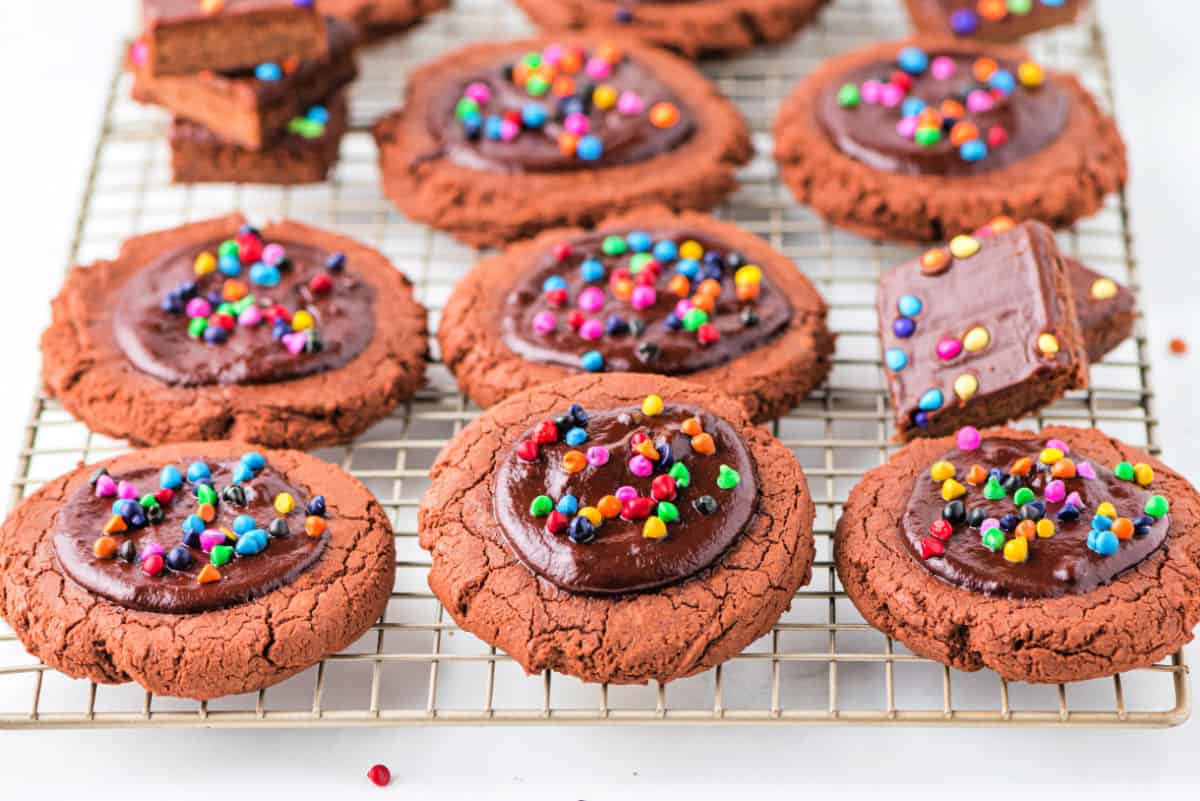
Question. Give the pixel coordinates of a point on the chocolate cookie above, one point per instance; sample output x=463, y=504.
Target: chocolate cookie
x=620, y=528
x=981, y=331
x=992, y=20
x=922, y=139
x=1049, y=557
x=682, y=295
x=196, y=570
x=285, y=336
x=1107, y=310
x=499, y=141
x=377, y=18
x=691, y=27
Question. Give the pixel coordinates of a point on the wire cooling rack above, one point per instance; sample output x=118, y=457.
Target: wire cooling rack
x=820, y=664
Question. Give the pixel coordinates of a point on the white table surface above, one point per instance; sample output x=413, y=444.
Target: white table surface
x=58, y=56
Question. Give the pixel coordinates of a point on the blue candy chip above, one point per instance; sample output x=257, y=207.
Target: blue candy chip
x=903, y=327
x=913, y=60
x=230, y=265
x=193, y=524
x=689, y=268
x=242, y=472
x=197, y=471
x=909, y=305
x=665, y=251
x=1102, y=522
x=533, y=115
x=638, y=241
x=170, y=477
x=592, y=361
x=265, y=274
x=251, y=543
x=318, y=114
x=268, y=72
x=589, y=148
x=1002, y=80
x=912, y=106
x=895, y=359
x=567, y=505
x=554, y=282
x=242, y=524
x=975, y=150
x=575, y=436
x=254, y=460
x=930, y=401
x=592, y=269
x=491, y=128
x=1104, y=543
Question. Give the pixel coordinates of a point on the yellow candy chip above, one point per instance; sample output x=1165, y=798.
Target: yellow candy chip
x=654, y=529
x=1107, y=509
x=652, y=405
x=1045, y=528
x=604, y=96
x=1016, y=550
x=1103, y=289
x=1050, y=456
x=205, y=263
x=1143, y=474
x=690, y=249
x=229, y=535
x=976, y=339
x=302, y=321
x=940, y=471
x=1031, y=74
x=951, y=489
x=748, y=274
x=965, y=386
x=592, y=514
x=964, y=247
x=284, y=503
x=1047, y=344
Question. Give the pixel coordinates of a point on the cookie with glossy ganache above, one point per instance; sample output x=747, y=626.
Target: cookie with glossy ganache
x=651, y=291
x=195, y=570
x=250, y=108
x=691, y=27
x=307, y=152
x=285, y=335
x=1048, y=557
x=499, y=141
x=377, y=18
x=620, y=528
x=981, y=331
x=1107, y=310
x=992, y=20
x=919, y=140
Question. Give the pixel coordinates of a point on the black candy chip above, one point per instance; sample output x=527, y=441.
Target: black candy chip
x=954, y=513
x=128, y=551
x=278, y=528
x=1034, y=510
x=578, y=415
x=234, y=495
x=705, y=504
x=581, y=530
x=976, y=517
x=316, y=507
x=637, y=326
x=336, y=263
x=155, y=514
x=647, y=352
x=1013, y=483
x=749, y=318
x=1009, y=522
x=179, y=558
x=103, y=471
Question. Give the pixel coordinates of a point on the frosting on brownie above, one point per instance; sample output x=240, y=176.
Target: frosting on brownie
x=1030, y=518
x=560, y=109
x=189, y=536
x=625, y=499
x=664, y=301
x=244, y=311
x=952, y=114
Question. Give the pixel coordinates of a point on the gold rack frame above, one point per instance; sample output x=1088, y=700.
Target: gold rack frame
x=820, y=664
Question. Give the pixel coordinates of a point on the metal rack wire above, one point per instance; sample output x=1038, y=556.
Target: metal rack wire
x=820, y=664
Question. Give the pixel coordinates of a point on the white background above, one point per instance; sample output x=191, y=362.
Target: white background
x=55, y=62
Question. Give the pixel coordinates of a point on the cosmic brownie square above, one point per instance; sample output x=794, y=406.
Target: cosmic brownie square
x=188, y=36
x=305, y=155
x=251, y=108
x=979, y=332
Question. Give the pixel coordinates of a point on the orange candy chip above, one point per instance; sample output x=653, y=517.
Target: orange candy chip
x=207, y=512
x=623, y=288
x=679, y=286
x=609, y=52
x=574, y=461
x=992, y=10
x=609, y=506
x=963, y=132
x=208, y=574
x=934, y=261
x=1063, y=468
x=1022, y=466
x=704, y=302
x=976, y=475
x=1027, y=529
x=663, y=115
x=984, y=67
x=703, y=443
x=315, y=526
x=1001, y=224
x=1123, y=528
x=567, y=143
x=233, y=290
x=646, y=448
x=105, y=548
x=748, y=291
x=691, y=426
x=710, y=287
x=115, y=525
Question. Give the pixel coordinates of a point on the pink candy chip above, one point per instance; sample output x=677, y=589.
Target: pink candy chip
x=294, y=342
x=105, y=487
x=1056, y=491
x=991, y=522
x=979, y=101
x=948, y=348
x=544, y=323
x=1059, y=444
x=630, y=103
x=1074, y=500
x=509, y=130
x=479, y=92
x=591, y=329
x=273, y=254
x=152, y=549
x=127, y=491
x=250, y=316
x=641, y=466
x=1085, y=470
x=210, y=539
x=577, y=124
x=591, y=299
x=907, y=127
x=870, y=91
x=598, y=68
x=643, y=297
x=552, y=53
x=597, y=456
x=942, y=68
x=683, y=307
x=968, y=438
x=198, y=307
x=626, y=493
x=890, y=95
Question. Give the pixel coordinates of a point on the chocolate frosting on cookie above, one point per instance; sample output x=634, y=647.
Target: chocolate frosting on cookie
x=618, y=556
x=578, y=111
x=637, y=337
x=871, y=117
x=157, y=341
x=1069, y=562
x=177, y=589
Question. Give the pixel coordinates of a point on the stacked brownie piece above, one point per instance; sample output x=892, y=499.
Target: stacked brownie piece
x=257, y=87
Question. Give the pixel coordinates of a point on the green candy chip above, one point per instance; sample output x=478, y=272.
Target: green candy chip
x=993, y=490
x=639, y=261
x=694, y=319
x=614, y=245
x=1157, y=506
x=667, y=512
x=196, y=327
x=728, y=478
x=1023, y=496
x=148, y=501
x=849, y=96
x=1123, y=471
x=682, y=476
x=541, y=506
x=206, y=494
x=993, y=539
x=220, y=554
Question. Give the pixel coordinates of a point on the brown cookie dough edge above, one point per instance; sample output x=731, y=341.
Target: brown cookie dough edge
x=378, y=18
x=485, y=208
x=1059, y=185
x=1132, y=622
x=768, y=381
x=928, y=19
x=85, y=370
x=693, y=31
x=663, y=635
x=239, y=649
